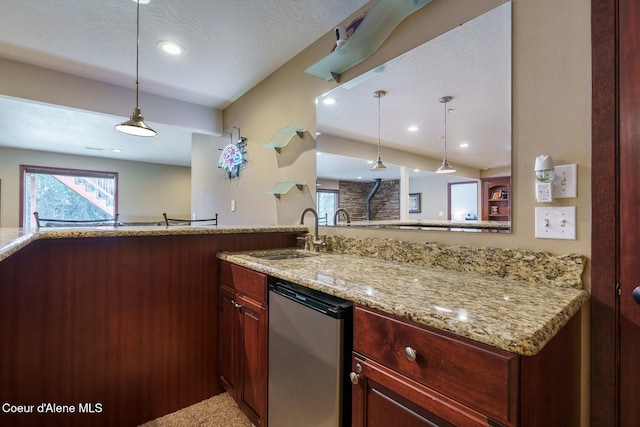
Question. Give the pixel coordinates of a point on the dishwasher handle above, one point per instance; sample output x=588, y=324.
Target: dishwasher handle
x=310, y=299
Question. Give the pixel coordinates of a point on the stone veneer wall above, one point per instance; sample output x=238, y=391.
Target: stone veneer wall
x=516, y=264
x=385, y=204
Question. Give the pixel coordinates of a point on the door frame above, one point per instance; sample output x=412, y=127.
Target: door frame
x=604, y=212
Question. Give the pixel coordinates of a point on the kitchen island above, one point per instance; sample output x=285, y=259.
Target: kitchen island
x=112, y=326
x=119, y=325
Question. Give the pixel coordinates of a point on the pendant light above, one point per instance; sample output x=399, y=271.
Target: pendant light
x=136, y=125
x=446, y=167
x=379, y=166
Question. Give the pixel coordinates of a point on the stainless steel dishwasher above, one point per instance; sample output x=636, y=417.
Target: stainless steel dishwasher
x=310, y=342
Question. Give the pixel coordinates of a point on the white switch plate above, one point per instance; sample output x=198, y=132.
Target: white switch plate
x=233, y=205
x=565, y=181
x=555, y=222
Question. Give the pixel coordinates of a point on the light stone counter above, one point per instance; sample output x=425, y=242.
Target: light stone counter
x=515, y=315
x=477, y=226
x=14, y=239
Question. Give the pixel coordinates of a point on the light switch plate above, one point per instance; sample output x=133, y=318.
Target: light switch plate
x=555, y=222
x=565, y=181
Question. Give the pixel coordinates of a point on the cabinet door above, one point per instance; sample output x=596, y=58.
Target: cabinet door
x=383, y=397
x=228, y=345
x=254, y=362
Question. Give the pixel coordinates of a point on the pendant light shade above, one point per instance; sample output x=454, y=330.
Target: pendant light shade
x=136, y=125
x=445, y=167
x=379, y=166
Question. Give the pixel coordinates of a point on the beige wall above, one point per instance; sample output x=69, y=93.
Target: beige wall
x=145, y=190
x=551, y=115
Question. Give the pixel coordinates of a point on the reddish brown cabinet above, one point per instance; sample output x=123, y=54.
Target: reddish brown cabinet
x=412, y=375
x=128, y=322
x=243, y=339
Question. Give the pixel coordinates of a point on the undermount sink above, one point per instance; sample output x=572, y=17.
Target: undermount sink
x=288, y=255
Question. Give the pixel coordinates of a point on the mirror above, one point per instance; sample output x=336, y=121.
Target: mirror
x=472, y=64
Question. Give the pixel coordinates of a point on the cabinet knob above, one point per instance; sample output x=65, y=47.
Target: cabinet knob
x=636, y=294
x=236, y=305
x=410, y=354
x=354, y=376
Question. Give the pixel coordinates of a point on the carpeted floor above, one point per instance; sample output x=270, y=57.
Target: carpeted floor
x=218, y=411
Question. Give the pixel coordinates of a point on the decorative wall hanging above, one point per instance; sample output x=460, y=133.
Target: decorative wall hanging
x=233, y=157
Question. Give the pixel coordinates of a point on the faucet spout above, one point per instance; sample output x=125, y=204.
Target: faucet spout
x=338, y=212
x=315, y=214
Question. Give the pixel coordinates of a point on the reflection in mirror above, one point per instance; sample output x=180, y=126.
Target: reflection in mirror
x=472, y=63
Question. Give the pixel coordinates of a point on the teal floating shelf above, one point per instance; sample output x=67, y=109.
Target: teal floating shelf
x=283, y=137
x=379, y=23
x=284, y=187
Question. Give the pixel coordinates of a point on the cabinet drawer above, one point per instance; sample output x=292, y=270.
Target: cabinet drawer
x=478, y=376
x=246, y=282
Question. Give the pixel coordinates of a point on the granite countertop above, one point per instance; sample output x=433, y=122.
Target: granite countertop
x=469, y=225
x=516, y=316
x=14, y=239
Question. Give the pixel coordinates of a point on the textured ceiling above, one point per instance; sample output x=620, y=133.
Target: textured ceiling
x=229, y=47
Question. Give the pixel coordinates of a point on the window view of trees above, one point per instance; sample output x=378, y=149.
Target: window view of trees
x=326, y=205
x=67, y=195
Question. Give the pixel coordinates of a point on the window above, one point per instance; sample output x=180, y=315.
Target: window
x=67, y=194
x=326, y=205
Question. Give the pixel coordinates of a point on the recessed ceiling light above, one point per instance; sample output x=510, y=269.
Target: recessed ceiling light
x=416, y=170
x=94, y=148
x=117, y=150
x=464, y=145
x=318, y=153
x=329, y=101
x=171, y=47
x=142, y=1
x=413, y=128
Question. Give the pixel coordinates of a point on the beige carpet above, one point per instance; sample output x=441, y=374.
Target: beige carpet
x=218, y=411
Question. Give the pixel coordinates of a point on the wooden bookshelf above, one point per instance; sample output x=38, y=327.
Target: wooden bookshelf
x=496, y=198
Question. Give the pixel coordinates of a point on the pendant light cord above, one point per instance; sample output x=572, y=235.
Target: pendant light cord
x=137, y=46
x=379, y=96
x=445, y=130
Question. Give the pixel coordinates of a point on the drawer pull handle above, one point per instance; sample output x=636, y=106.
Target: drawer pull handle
x=410, y=354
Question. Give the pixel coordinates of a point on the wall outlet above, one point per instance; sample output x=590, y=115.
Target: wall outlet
x=555, y=223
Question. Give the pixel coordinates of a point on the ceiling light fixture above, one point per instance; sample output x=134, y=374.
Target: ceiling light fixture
x=136, y=125
x=445, y=167
x=379, y=166
x=171, y=48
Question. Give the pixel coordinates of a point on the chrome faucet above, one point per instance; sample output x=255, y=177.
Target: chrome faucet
x=346, y=215
x=316, y=240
